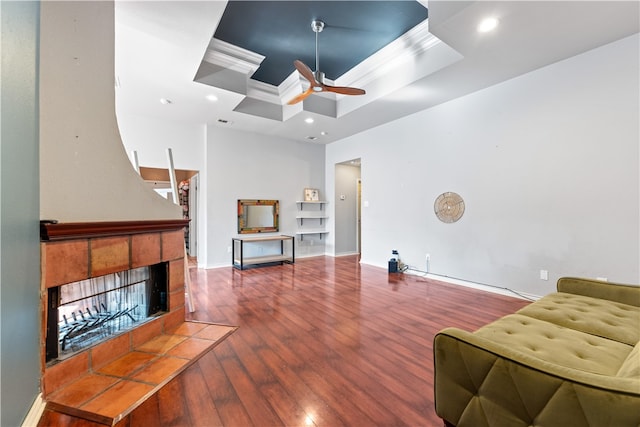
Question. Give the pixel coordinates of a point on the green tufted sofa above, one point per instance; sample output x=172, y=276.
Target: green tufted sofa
x=571, y=358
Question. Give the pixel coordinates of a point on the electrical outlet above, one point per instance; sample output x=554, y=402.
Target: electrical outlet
x=602, y=279
x=228, y=249
x=544, y=275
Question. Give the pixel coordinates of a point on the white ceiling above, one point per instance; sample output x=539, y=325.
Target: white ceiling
x=160, y=46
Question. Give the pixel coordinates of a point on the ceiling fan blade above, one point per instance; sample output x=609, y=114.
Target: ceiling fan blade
x=344, y=90
x=301, y=97
x=305, y=71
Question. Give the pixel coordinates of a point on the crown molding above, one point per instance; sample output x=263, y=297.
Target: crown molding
x=410, y=45
x=375, y=74
x=232, y=57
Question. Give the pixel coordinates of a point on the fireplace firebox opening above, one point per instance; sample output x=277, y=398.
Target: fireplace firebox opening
x=85, y=313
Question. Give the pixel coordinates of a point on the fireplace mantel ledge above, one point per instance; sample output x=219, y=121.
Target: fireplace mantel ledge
x=51, y=230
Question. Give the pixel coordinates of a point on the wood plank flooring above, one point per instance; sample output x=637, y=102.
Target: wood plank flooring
x=322, y=342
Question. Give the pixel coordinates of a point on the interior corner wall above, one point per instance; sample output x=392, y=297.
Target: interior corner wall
x=547, y=163
x=19, y=231
x=243, y=165
x=85, y=174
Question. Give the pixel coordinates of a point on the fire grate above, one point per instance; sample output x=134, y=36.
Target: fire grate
x=84, y=313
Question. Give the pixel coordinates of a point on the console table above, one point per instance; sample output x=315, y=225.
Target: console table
x=240, y=258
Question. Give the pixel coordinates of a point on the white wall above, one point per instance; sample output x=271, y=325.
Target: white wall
x=150, y=138
x=548, y=166
x=85, y=174
x=243, y=165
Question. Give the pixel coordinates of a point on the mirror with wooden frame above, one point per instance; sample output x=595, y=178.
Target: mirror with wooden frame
x=258, y=216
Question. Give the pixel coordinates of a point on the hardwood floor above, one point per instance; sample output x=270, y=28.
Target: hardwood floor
x=322, y=342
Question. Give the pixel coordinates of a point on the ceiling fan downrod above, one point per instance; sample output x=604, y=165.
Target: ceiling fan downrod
x=317, y=26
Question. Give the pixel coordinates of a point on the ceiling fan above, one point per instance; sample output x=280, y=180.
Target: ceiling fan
x=316, y=79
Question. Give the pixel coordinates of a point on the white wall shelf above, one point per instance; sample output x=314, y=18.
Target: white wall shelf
x=310, y=215
x=315, y=212
x=307, y=232
x=310, y=202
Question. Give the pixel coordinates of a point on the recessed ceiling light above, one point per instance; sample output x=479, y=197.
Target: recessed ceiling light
x=323, y=133
x=225, y=121
x=487, y=24
x=212, y=98
x=165, y=101
x=308, y=120
x=312, y=138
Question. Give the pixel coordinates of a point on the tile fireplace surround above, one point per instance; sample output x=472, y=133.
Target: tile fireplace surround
x=106, y=382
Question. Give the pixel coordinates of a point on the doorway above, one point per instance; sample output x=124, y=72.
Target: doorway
x=348, y=188
x=187, y=182
x=359, y=215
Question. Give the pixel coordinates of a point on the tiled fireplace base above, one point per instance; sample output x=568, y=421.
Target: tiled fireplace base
x=106, y=394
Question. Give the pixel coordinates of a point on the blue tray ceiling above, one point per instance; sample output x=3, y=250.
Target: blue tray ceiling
x=281, y=31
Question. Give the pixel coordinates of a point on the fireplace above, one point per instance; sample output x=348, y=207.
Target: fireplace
x=106, y=287
x=91, y=311
x=113, y=325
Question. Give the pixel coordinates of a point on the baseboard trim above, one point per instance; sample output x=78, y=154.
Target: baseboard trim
x=480, y=286
x=35, y=413
x=467, y=283
x=345, y=254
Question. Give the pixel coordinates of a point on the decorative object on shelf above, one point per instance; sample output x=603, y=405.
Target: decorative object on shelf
x=449, y=207
x=311, y=195
x=258, y=216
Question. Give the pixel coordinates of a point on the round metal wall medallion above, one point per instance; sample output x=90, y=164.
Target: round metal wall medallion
x=449, y=207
